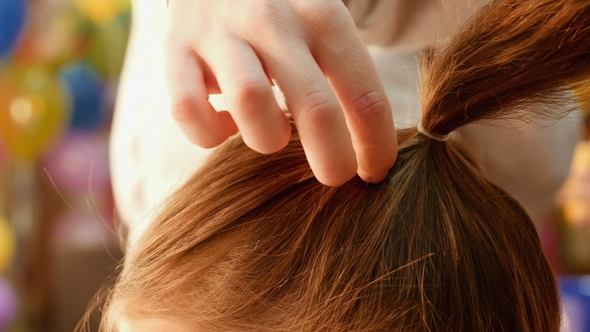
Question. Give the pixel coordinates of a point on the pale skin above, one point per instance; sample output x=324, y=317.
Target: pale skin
x=312, y=51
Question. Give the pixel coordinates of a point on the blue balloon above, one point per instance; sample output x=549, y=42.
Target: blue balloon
x=575, y=302
x=86, y=95
x=12, y=22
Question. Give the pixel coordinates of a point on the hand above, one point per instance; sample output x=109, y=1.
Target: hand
x=311, y=49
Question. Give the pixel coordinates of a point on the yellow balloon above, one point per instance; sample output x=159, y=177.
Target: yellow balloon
x=7, y=244
x=102, y=11
x=576, y=206
x=33, y=111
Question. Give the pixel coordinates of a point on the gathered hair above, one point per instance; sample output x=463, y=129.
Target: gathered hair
x=254, y=242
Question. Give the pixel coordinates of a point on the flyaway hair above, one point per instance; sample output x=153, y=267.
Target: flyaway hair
x=512, y=56
x=255, y=243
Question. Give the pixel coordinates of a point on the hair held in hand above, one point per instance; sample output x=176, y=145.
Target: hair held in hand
x=255, y=243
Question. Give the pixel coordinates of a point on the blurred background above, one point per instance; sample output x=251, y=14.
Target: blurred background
x=60, y=62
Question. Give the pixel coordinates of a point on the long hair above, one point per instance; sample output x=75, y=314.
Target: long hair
x=255, y=243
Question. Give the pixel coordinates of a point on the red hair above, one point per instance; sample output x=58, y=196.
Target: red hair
x=254, y=243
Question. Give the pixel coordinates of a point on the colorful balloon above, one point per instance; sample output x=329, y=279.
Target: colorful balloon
x=575, y=302
x=55, y=38
x=79, y=230
x=12, y=22
x=102, y=11
x=33, y=111
x=7, y=245
x=79, y=163
x=8, y=304
x=575, y=193
x=86, y=95
x=3, y=154
x=106, y=51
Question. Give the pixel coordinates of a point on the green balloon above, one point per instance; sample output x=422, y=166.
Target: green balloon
x=108, y=43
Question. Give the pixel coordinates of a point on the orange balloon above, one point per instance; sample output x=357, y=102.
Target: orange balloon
x=33, y=111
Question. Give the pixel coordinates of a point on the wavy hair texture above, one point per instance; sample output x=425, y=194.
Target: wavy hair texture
x=254, y=243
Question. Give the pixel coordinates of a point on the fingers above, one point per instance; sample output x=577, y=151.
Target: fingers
x=317, y=114
x=248, y=95
x=354, y=78
x=312, y=50
x=190, y=108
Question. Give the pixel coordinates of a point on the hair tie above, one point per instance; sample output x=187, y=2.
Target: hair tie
x=436, y=137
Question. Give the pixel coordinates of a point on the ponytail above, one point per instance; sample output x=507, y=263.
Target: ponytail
x=254, y=243
x=512, y=56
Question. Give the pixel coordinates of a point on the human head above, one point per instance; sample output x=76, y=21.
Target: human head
x=255, y=243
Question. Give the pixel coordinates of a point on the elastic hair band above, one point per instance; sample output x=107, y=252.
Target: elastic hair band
x=436, y=137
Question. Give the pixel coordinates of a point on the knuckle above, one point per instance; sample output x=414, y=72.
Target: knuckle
x=314, y=10
x=269, y=8
x=369, y=108
x=322, y=17
x=261, y=14
x=250, y=91
x=182, y=108
x=318, y=107
x=173, y=45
